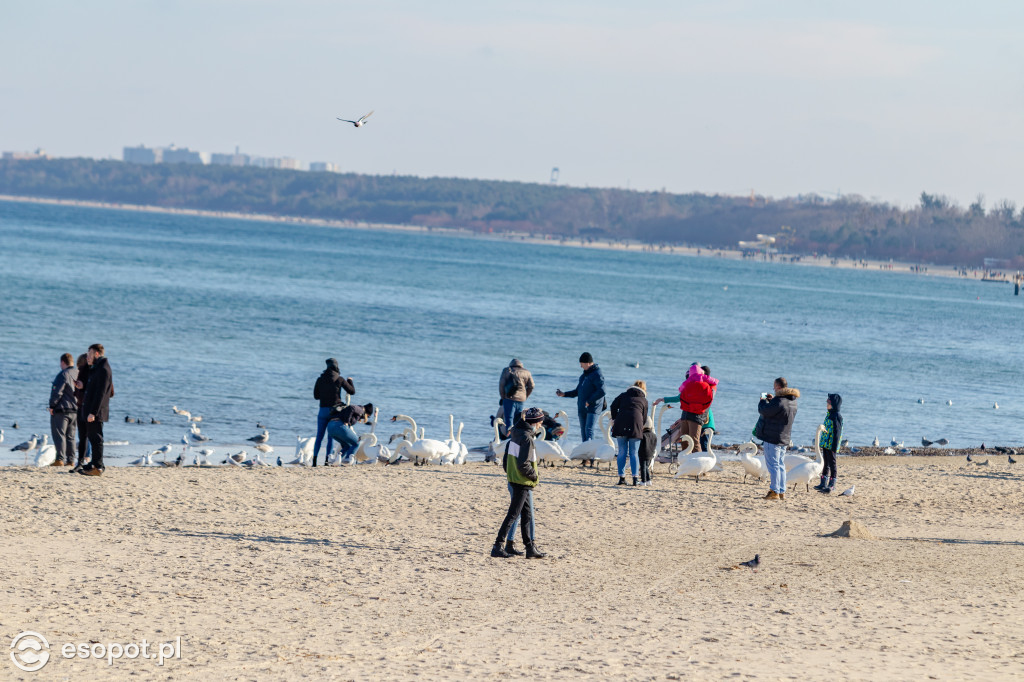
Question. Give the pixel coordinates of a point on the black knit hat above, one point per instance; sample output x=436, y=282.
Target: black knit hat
x=587, y=357
x=533, y=415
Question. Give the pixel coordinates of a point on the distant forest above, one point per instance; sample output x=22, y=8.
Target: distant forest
x=935, y=231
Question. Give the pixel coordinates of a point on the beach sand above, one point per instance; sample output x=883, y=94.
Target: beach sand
x=384, y=573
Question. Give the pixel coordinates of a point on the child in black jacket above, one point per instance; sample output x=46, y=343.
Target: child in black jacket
x=647, y=452
x=830, y=442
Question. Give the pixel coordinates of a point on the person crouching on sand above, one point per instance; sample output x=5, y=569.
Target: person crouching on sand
x=520, y=464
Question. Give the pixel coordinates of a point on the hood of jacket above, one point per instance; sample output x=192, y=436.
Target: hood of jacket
x=515, y=363
x=636, y=392
x=332, y=366
x=790, y=393
x=837, y=402
x=694, y=371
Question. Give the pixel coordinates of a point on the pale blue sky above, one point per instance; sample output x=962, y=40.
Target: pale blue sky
x=882, y=99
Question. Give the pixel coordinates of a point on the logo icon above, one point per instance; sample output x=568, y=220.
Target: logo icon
x=30, y=652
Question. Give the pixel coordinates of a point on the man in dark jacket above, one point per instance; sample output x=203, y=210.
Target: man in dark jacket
x=97, y=406
x=514, y=387
x=339, y=427
x=520, y=464
x=774, y=427
x=327, y=390
x=629, y=413
x=64, y=411
x=589, y=394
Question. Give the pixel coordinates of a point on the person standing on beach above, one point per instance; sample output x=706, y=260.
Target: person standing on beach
x=82, y=365
x=98, y=392
x=514, y=387
x=696, y=394
x=773, y=427
x=327, y=390
x=708, y=430
x=829, y=442
x=520, y=464
x=589, y=394
x=64, y=411
x=339, y=427
x=629, y=414
x=647, y=451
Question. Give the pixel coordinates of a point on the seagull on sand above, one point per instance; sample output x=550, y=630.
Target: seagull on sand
x=848, y=492
x=264, y=448
x=262, y=438
x=144, y=461
x=969, y=457
x=359, y=122
x=1012, y=460
x=30, y=444
x=925, y=442
x=875, y=443
x=165, y=450
x=753, y=563
x=942, y=441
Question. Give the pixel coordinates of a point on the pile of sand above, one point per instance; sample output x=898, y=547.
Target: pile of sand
x=853, y=529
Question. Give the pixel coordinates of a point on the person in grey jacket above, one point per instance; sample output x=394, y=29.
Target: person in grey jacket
x=64, y=411
x=514, y=387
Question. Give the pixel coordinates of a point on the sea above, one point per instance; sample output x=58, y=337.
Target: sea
x=233, y=320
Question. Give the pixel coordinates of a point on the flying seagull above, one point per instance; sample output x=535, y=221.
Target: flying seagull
x=358, y=123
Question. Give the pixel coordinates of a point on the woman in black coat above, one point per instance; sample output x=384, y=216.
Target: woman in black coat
x=629, y=413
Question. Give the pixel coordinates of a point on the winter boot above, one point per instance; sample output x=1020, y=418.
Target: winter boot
x=622, y=480
x=498, y=552
x=635, y=480
x=532, y=552
x=510, y=549
x=822, y=486
x=831, y=484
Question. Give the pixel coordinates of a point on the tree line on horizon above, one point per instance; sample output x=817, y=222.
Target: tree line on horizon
x=935, y=231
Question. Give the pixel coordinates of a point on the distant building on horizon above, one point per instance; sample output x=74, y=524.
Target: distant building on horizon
x=175, y=154
x=26, y=156
x=143, y=155
x=323, y=167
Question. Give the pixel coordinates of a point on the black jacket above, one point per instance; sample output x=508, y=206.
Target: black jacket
x=777, y=417
x=329, y=386
x=62, y=393
x=589, y=391
x=648, y=446
x=347, y=414
x=629, y=412
x=524, y=470
x=98, y=391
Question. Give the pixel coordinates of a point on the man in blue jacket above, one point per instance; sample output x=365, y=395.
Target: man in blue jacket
x=589, y=394
x=64, y=411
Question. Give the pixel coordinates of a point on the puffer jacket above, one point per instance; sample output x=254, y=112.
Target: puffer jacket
x=629, y=413
x=519, y=379
x=833, y=435
x=777, y=415
x=62, y=393
x=589, y=391
x=520, y=459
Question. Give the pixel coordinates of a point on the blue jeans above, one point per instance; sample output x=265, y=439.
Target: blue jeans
x=321, y=429
x=629, y=447
x=587, y=422
x=511, y=410
x=345, y=436
x=774, y=457
x=515, y=522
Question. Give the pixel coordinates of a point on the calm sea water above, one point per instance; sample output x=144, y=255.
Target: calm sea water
x=233, y=319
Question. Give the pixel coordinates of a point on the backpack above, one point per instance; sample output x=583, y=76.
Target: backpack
x=513, y=383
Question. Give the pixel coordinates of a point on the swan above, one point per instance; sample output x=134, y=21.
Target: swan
x=463, y=450
x=549, y=452
x=427, y=449
x=497, y=446
x=46, y=454
x=695, y=465
x=451, y=443
x=372, y=452
x=718, y=463
x=753, y=463
x=808, y=471
x=595, y=450
x=303, y=450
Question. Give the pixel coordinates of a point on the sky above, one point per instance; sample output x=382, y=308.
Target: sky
x=880, y=99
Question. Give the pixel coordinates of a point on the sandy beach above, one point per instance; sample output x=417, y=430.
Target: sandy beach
x=383, y=573
x=692, y=251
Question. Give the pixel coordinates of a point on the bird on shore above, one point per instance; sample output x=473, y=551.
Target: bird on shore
x=969, y=457
x=279, y=462
x=197, y=437
x=982, y=464
x=176, y=463
x=236, y=459
x=264, y=448
x=942, y=441
x=30, y=444
x=925, y=442
x=1011, y=459
x=144, y=461
x=753, y=563
x=848, y=492
x=875, y=443
x=261, y=438
x=165, y=450
x=359, y=122
x=206, y=454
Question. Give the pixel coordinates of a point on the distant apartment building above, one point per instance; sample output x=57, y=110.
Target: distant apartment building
x=143, y=155
x=235, y=159
x=323, y=167
x=26, y=156
x=175, y=154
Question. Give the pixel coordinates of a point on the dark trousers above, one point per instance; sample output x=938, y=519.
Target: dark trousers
x=94, y=431
x=645, y=470
x=83, y=439
x=519, y=508
x=62, y=427
x=830, y=463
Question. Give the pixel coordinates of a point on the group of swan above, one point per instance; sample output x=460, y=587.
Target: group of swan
x=799, y=469
x=421, y=450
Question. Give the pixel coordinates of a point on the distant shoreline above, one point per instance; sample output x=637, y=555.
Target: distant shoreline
x=702, y=252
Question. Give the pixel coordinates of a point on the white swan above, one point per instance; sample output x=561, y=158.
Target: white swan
x=595, y=450
x=753, y=463
x=428, y=450
x=304, y=450
x=370, y=451
x=549, y=452
x=46, y=454
x=497, y=446
x=694, y=465
x=453, y=445
x=808, y=471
